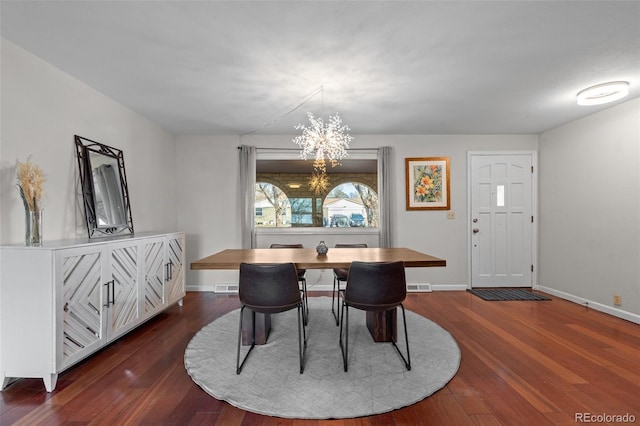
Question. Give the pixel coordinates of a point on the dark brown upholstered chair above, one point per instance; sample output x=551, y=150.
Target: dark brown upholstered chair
x=374, y=286
x=301, y=278
x=340, y=275
x=270, y=289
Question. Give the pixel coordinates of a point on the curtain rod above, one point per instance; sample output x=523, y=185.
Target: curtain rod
x=294, y=149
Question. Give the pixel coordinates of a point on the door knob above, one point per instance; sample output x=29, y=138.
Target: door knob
x=476, y=230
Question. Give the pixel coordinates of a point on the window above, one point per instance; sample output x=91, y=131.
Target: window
x=301, y=211
x=500, y=196
x=273, y=205
x=351, y=204
x=285, y=198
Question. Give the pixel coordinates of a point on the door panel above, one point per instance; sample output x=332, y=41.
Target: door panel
x=154, y=297
x=82, y=304
x=124, y=275
x=176, y=276
x=501, y=220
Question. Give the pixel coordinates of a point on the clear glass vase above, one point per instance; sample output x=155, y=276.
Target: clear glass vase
x=33, y=229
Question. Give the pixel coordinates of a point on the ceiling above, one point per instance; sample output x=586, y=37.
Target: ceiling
x=388, y=67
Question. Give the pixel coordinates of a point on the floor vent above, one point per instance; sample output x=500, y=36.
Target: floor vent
x=226, y=288
x=417, y=288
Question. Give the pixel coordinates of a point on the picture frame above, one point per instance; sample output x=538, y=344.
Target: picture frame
x=428, y=185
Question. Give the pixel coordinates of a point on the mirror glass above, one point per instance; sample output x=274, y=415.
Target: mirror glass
x=104, y=188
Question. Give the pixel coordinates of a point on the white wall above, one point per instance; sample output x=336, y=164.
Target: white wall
x=590, y=209
x=208, y=196
x=42, y=109
x=209, y=184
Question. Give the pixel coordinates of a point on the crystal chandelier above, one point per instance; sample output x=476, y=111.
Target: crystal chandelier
x=323, y=141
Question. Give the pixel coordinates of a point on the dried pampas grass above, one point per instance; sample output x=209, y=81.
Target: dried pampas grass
x=30, y=180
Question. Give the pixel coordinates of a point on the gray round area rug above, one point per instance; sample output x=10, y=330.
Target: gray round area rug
x=271, y=384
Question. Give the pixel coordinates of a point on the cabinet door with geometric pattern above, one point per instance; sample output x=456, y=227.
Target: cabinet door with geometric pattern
x=154, y=275
x=175, y=281
x=82, y=304
x=124, y=309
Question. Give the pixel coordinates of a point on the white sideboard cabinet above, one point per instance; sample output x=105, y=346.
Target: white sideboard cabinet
x=61, y=302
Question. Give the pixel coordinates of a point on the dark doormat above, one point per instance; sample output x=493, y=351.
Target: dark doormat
x=500, y=294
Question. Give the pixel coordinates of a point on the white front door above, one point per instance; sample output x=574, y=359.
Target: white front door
x=501, y=206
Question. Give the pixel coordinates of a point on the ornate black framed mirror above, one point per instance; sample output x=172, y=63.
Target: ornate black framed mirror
x=104, y=188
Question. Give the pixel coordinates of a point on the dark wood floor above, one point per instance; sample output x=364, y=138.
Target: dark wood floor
x=532, y=363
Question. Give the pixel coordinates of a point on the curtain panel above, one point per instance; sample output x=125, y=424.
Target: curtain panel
x=248, y=194
x=384, y=196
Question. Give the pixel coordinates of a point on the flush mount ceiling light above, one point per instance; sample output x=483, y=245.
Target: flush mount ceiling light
x=603, y=93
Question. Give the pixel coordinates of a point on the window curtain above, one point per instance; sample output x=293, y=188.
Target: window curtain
x=384, y=196
x=248, y=194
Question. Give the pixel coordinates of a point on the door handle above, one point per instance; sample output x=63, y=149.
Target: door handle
x=476, y=230
x=167, y=269
x=110, y=286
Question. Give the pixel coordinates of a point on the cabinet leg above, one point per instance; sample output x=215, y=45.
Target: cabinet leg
x=50, y=382
x=180, y=302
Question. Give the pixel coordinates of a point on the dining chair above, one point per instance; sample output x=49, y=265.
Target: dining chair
x=340, y=275
x=374, y=287
x=301, y=278
x=270, y=289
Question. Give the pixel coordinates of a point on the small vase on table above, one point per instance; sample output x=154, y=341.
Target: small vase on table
x=322, y=248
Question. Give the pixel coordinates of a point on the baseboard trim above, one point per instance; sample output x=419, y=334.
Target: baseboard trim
x=449, y=287
x=201, y=287
x=227, y=288
x=232, y=288
x=629, y=316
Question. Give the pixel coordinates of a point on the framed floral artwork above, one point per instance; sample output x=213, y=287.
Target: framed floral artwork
x=427, y=183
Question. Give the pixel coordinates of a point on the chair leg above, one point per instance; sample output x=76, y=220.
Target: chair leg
x=253, y=340
x=305, y=307
x=306, y=302
x=407, y=360
x=336, y=295
x=302, y=337
x=304, y=333
x=344, y=348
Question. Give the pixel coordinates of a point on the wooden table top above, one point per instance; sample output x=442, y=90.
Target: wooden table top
x=307, y=258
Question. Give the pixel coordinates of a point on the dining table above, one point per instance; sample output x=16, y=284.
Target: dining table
x=381, y=325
